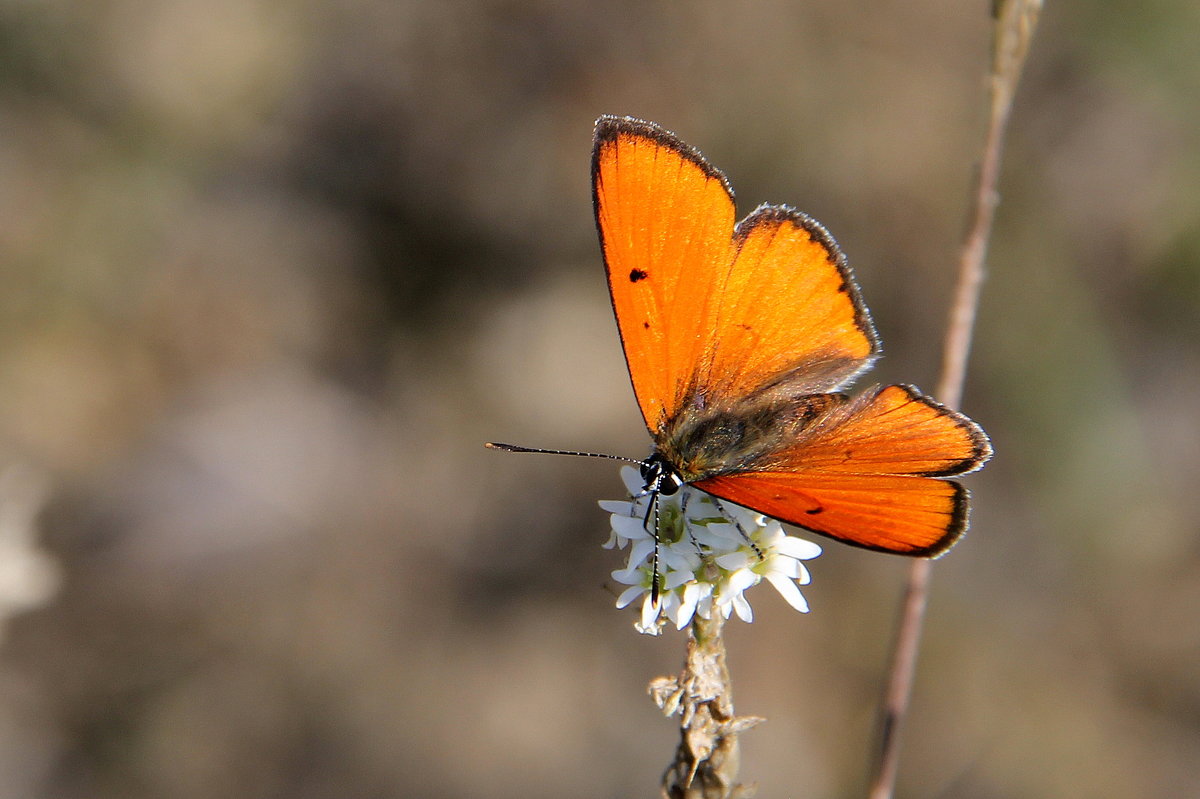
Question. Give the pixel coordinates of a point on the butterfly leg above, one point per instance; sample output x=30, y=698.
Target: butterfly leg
x=739, y=527
x=683, y=506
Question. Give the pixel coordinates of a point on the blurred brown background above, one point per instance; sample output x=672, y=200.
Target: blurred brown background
x=272, y=273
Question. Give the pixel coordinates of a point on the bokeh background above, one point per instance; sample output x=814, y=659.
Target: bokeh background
x=272, y=273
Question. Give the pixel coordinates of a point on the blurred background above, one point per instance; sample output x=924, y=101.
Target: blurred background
x=273, y=272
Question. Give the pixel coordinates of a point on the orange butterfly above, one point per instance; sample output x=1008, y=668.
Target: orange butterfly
x=736, y=338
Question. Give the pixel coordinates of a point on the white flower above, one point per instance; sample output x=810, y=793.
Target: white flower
x=708, y=553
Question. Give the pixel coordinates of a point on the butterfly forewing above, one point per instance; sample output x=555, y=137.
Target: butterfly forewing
x=703, y=307
x=890, y=430
x=665, y=217
x=789, y=315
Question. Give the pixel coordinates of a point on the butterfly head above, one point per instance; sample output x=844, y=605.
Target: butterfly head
x=660, y=476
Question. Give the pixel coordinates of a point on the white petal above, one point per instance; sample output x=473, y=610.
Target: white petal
x=632, y=478
x=742, y=607
x=650, y=610
x=687, y=606
x=748, y=519
x=621, y=507
x=797, y=548
x=740, y=580
x=629, y=594
x=780, y=565
x=629, y=527
x=669, y=603
x=773, y=529
x=805, y=578
x=640, y=552
x=788, y=590
x=629, y=576
x=634, y=574
x=722, y=536
x=654, y=628
x=704, y=517
x=675, y=579
x=733, y=561
x=681, y=557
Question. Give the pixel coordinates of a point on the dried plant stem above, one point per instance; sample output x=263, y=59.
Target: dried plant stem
x=1015, y=21
x=707, y=759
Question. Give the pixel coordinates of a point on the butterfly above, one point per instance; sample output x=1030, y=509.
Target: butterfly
x=739, y=339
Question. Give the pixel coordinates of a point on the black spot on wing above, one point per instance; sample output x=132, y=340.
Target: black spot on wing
x=637, y=274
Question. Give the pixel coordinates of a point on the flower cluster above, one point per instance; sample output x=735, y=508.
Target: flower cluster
x=709, y=552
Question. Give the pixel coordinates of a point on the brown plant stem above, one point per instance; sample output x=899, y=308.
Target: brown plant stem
x=707, y=759
x=1015, y=21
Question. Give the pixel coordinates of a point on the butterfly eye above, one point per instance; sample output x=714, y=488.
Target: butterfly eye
x=669, y=483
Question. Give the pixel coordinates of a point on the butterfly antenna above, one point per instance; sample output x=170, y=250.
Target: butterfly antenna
x=515, y=448
x=653, y=492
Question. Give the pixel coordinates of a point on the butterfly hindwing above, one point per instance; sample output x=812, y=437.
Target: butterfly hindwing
x=890, y=430
x=866, y=472
x=789, y=317
x=891, y=513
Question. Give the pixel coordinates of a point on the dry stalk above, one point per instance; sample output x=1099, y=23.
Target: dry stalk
x=1015, y=21
x=707, y=759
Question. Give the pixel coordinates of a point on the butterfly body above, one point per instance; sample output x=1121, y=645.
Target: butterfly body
x=727, y=437
x=738, y=339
